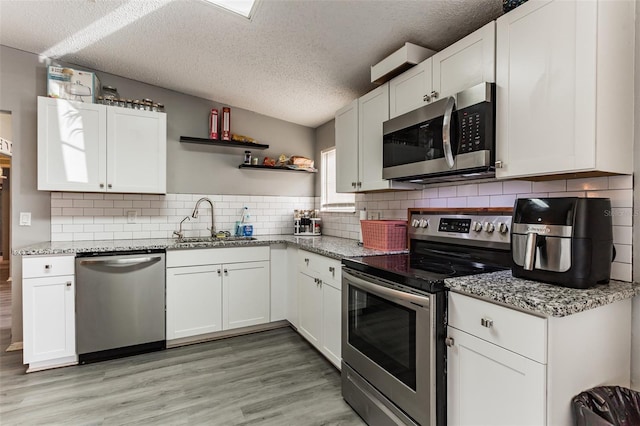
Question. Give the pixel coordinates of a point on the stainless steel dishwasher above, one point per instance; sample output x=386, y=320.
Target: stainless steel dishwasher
x=120, y=304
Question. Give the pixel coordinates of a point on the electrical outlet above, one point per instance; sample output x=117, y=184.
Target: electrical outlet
x=373, y=215
x=25, y=218
x=131, y=216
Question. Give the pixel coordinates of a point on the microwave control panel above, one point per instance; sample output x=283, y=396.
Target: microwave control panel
x=474, y=124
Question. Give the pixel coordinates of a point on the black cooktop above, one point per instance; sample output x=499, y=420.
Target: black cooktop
x=426, y=267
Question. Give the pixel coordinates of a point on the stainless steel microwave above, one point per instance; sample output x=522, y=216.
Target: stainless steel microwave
x=448, y=140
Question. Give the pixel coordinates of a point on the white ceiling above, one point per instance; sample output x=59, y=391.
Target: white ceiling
x=297, y=60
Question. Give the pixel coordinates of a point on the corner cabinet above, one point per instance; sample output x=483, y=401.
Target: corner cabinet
x=98, y=148
x=48, y=311
x=359, y=144
x=509, y=367
x=464, y=64
x=565, y=78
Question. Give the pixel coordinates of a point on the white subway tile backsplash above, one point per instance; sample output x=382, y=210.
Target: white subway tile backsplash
x=516, y=187
x=623, y=253
x=550, y=186
x=502, y=200
x=113, y=196
x=103, y=235
x=59, y=202
x=73, y=195
x=619, y=197
x=491, y=188
x=457, y=202
x=93, y=212
x=447, y=192
x=621, y=271
x=82, y=203
x=132, y=197
x=588, y=184
x=481, y=201
x=621, y=182
x=467, y=190
x=104, y=203
x=72, y=211
x=623, y=235
x=622, y=216
x=55, y=195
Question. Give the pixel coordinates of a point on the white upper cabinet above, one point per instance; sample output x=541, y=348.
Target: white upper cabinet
x=564, y=74
x=411, y=89
x=347, y=147
x=96, y=148
x=72, y=146
x=136, y=151
x=466, y=63
x=359, y=144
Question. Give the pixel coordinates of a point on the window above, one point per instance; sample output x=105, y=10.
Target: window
x=330, y=200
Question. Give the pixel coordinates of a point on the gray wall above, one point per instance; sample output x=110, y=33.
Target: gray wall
x=190, y=168
x=325, y=137
x=635, y=323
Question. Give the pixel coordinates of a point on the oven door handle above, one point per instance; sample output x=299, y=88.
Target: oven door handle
x=386, y=292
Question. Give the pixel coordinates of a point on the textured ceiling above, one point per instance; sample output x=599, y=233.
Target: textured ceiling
x=297, y=60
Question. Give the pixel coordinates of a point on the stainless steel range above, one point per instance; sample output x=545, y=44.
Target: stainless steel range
x=394, y=315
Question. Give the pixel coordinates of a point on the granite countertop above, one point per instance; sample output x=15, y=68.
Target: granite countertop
x=334, y=247
x=541, y=298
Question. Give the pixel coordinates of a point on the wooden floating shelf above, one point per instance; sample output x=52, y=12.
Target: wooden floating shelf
x=262, y=167
x=217, y=142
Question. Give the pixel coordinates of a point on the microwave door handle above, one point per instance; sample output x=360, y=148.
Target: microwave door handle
x=446, y=131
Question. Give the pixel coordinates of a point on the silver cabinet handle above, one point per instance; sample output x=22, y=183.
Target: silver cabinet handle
x=219, y=271
x=434, y=94
x=449, y=342
x=353, y=184
x=359, y=184
x=499, y=164
x=47, y=267
x=446, y=132
x=306, y=261
x=102, y=185
x=121, y=262
x=226, y=271
x=68, y=283
x=426, y=98
x=109, y=186
x=486, y=322
x=332, y=270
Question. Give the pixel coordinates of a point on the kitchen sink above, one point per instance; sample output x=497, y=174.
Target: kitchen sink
x=191, y=240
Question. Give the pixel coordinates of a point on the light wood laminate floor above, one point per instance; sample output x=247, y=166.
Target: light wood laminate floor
x=268, y=378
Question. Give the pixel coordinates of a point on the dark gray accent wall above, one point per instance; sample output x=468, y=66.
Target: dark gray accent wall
x=325, y=137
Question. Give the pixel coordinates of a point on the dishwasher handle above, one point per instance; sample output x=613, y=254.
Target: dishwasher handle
x=121, y=262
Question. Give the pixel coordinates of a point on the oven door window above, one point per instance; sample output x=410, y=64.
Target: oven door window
x=385, y=332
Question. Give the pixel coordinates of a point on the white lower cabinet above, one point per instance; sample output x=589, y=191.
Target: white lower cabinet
x=508, y=367
x=319, y=303
x=48, y=305
x=212, y=290
x=194, y=301
x=490, y=385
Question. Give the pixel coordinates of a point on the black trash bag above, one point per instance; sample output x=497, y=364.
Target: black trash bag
x=607, y=406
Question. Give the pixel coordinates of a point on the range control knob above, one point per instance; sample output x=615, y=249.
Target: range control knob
x=415, y=223
x=424, y=223
x=489, y=227
x=503, y=228
x=477, y=226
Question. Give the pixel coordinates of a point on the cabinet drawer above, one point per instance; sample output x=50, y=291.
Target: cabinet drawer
x=513, y=330
x=210, y=256
x=47, y=266
x=319, y=266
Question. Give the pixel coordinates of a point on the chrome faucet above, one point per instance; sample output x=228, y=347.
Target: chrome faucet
x=195, y=213
x=180, y=232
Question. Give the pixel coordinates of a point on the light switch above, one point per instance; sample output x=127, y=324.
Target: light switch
x=25, y=218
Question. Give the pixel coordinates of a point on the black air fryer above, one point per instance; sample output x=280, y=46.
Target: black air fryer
x=564, y=241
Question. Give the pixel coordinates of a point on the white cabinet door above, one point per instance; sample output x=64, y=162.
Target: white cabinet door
x=489, y=385
x=72, y=146
x=346, y=128
x=245, y=293
x=411, y=89
x=136, y=151
x=331, y=324
x=310, y=309
x=466, y=63
x=373, y=111
x=48, y=318
x=194, y=300
x=546, y=88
